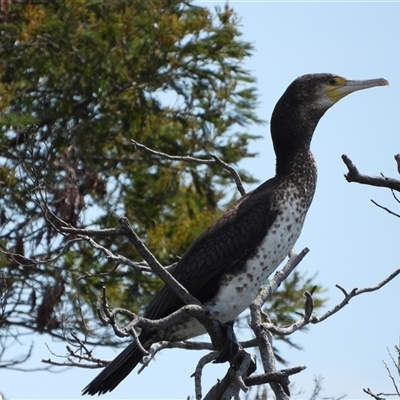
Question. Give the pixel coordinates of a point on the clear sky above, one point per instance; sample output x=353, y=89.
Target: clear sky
x=352, y=242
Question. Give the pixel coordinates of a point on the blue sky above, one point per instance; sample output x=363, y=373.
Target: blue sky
x=352, y=242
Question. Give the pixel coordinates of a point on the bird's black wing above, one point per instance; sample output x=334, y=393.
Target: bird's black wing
x=223, y=247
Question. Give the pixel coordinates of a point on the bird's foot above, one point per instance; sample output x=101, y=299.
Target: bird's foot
x=231, y=346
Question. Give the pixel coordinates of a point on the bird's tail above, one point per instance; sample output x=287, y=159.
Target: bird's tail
x=115, y=372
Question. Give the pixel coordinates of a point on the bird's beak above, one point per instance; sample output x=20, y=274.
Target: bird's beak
x=347, y=86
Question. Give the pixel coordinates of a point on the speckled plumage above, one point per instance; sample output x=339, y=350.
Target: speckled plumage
x=227, y=264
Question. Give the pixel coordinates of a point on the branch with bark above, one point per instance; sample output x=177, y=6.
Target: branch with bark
x=380, y=181
x=187, y=159
x=354, y=175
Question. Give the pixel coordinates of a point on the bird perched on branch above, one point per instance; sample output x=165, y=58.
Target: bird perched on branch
x=228, y=263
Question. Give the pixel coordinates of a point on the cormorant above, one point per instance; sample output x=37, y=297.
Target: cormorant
x=228, y=263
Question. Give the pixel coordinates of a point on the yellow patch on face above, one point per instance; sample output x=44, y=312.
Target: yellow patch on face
x=333, y=90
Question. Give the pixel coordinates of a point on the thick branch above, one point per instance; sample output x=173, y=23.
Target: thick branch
x=278, y=376
x=263, y=335
x=354, y=176
x=279, y=277
x=153, y=263
x=264, y=339
x=184, y=313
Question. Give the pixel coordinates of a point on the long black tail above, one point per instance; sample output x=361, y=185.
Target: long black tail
x=115, y=372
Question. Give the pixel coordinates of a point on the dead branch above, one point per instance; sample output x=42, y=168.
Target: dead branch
x=264, y=341
x=348, y=296
x=305, y=319
x=397, y=158
x=110, y=317
x=380, y=181
x=386, y=209
x=186, y=345
x=263, y=334
x=310, y=317
x=392, y=379
x=154, y=264
x=86, y=235
x=214, y=161
x=376, y=397
x=199, y=371
x=280, y=276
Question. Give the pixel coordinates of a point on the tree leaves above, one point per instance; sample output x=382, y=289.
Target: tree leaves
x=92, y=75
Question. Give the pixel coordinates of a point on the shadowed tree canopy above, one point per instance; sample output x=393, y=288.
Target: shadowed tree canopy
x=78, y=81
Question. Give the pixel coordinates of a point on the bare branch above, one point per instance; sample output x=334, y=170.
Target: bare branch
x=242, y=365
x=10, y=364
x=167, y=278
x=186, y=345
x=376, y=397
x=278, y=376
x=261, y=330
x=214, y=161
x=84, y=234
x=119, y=260
x=386, y=209
x=232, y=171
x=264, y=339
x=391, y=378
x=397, y=158
x=354, y=176
x=310, y=317
x=219, y=389
x=303, y=321
x=199, y=371
x=280, y=276
x=349, y=296
x=396, y=364
x=129, y=330
x=92, y=232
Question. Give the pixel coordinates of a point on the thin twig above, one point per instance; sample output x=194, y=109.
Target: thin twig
x=214, y=161
x=391, y=377
x=349, y=296
x=376, y=397
x=386, y=209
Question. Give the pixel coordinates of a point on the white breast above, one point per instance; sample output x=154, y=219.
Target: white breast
x=235, y=297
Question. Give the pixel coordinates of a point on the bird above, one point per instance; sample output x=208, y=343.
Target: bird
x=230, y=261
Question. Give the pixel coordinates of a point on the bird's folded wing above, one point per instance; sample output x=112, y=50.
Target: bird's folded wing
x=223, y=247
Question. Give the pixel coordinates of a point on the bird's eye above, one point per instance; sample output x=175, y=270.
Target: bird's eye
x=332, y=82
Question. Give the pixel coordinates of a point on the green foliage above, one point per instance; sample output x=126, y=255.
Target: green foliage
x=92, y=75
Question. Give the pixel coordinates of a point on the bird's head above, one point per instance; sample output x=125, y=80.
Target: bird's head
x=304, y=102
x=321, y=91
x=334, y=88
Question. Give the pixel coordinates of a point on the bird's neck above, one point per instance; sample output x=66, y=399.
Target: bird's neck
x=292, y=128
x=300, y=167
x=294, y=155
